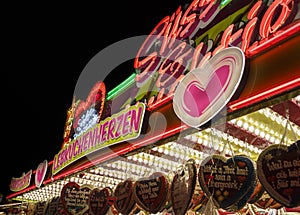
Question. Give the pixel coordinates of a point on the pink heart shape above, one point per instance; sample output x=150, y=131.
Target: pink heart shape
x=40, y=173
x=214, y=86
x=96, y=95
x=278, y=172
x=205, y=91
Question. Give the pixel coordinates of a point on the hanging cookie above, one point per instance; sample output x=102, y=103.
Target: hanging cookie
x=124, y=201
x=182, y=187
x=226, y=180
x=99, y=201
x=278, y=169
x=151, y=193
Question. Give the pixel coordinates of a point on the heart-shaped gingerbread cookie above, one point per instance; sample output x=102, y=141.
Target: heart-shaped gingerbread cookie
x=75, y=198
x=99, y=201
x=151, y=193
x=182, y=187
x=124, y=201
x=278, y=169
x=227, y=181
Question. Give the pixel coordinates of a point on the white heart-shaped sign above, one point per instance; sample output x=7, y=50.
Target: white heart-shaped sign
x=40, y=173
x=205, y=91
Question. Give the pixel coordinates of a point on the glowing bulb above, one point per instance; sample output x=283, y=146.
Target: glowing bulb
x=246, y=125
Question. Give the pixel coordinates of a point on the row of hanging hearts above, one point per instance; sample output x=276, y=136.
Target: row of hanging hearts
x=229, y=184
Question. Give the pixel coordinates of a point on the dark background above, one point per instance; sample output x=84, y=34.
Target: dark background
x=45, y=46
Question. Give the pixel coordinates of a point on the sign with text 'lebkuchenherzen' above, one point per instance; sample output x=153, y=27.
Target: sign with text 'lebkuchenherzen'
x=123, y=126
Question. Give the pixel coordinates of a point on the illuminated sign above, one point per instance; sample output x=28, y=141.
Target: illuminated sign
x=21, y=183
x=188, y=38
x=83, y=115
x=120, y=127
x=205, y=91
x=40, y=173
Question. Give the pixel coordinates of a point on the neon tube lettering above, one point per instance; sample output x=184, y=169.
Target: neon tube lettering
x=174, y=65
x=267, y=26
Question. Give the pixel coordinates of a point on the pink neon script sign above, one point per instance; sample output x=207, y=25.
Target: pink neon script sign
x=206, y=90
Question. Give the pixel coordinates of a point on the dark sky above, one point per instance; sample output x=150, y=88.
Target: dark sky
x=45, y=47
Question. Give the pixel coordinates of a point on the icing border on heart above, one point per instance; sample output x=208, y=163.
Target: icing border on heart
x=76, y=210
x=212, y=174
x=101, y=198
x=151, y=193
x=276, y=166
x=123, y=194
x=205, y=91
x=40, y=173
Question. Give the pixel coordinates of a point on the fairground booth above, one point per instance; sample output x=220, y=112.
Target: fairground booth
x=208, y=122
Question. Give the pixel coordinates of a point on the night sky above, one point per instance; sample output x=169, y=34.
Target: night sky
x=45, y=48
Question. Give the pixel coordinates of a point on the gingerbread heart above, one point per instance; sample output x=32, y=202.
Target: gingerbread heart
x=75, y=198
x=278, y=169
x=99, y=201
x=124, y=201
x=182, y=187
x=227, y=181
x=151, y=193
